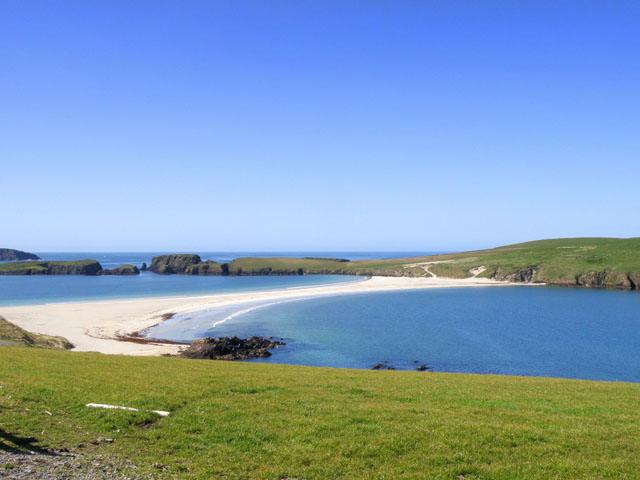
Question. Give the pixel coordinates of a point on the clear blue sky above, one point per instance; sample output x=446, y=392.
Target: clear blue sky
x=322, y=125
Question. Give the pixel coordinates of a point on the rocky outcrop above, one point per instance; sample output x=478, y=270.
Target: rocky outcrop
x=9, y=255
x=525, y=275
x=231, y=348
x=11, y=334
x=383, y=366
x=188, y=264
x=205, y=268
x=178, y=263
x=126, y=269
x=609, y=279
x=83, y=267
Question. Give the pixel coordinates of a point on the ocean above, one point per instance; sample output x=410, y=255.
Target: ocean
x=520, y=330
x=24, y=290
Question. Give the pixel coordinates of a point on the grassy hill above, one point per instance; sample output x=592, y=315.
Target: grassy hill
x=244, y=420
x=11, y=334
x=593, y=262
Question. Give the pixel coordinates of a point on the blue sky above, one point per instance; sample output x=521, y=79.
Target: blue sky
x=316, y=125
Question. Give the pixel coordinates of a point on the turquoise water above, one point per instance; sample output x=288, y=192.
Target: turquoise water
x=31, y=289
x=542, y=331
x=17, y=290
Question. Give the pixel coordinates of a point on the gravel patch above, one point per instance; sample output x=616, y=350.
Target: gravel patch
x=63, y=465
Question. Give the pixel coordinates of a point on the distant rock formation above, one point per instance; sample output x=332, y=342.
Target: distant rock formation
x=126, y=269
x=341, y=260
x=80, y=267
x=177, y=263
x=231, y=348
x=9, y=254
x=185, y=263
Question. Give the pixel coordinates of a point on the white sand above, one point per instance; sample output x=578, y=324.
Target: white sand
x=95, y=325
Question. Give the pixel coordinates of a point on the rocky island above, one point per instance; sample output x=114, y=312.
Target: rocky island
x=76, y=267
x=577, y=262
x=10, y=255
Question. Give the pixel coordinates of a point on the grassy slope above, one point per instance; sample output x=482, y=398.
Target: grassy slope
x=242, y=420
x=557, y=261
x=12, y=334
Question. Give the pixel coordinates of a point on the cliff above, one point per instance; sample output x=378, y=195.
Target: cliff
x=79, y=267
x=126, y=269
x=185, y=263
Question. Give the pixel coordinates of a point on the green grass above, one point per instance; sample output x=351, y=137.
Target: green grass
x=558, y=261
x=608, y=262
x=243, y=420
x=13, y=335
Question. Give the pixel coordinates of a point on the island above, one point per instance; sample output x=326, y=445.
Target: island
x=75, y=267
x=9, y=255
x=581, y=262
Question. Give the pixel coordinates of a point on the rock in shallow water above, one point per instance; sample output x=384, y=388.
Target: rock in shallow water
x=231, y=348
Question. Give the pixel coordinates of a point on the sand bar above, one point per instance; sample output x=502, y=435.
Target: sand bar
x=96, y=325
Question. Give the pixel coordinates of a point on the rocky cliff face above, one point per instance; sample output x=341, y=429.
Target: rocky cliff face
x=609, y=279
x=206, y=268
x=178, y=263
x=187, y=264
x=82, y=267
x=85, y=267
x=125, y=269
x=9, y=254
x=524, y=275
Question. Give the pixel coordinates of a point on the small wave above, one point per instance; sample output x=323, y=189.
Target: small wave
x=244, y=311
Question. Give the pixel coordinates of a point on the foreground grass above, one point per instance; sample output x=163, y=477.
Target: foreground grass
x=242, y=420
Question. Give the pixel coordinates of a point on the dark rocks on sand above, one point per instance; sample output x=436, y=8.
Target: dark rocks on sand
x=231, y=348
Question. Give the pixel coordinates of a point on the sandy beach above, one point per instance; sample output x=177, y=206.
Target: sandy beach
x=97, y=325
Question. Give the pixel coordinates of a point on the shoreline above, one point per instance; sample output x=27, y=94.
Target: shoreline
x=104, y=326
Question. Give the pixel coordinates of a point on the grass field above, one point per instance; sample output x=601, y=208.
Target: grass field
x=243, y=420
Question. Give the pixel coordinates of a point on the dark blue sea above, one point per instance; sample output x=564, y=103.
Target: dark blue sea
x=522, y=330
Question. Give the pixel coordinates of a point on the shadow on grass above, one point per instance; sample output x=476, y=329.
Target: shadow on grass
x=15, y=444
